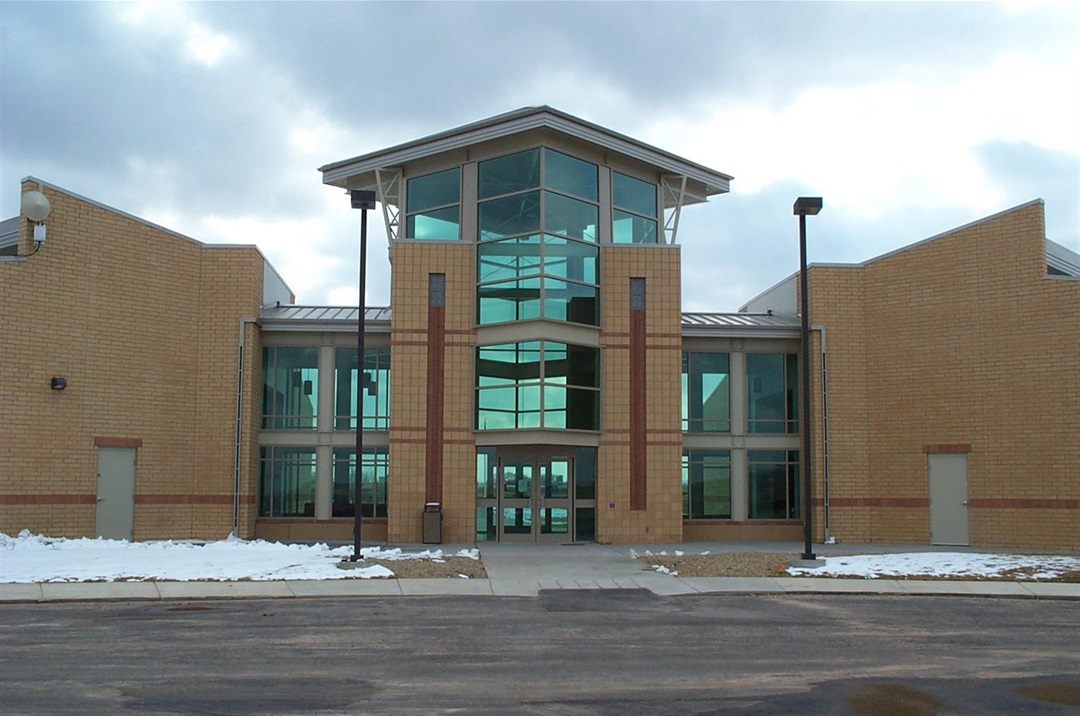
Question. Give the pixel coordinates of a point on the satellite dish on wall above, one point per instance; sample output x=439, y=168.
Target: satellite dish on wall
x=35, y=206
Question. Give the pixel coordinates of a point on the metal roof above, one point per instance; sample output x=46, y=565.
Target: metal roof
x=326, y=318
x=377, y=319
x=510, y=123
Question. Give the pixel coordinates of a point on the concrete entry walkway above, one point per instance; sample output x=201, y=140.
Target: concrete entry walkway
x=524, y=570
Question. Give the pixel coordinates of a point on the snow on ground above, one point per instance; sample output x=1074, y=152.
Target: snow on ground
x=942, y=564
x=33, y=558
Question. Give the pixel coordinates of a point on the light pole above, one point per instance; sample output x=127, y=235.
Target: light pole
x=805, y=206
x=362, y=200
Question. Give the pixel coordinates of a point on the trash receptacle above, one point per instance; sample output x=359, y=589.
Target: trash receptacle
x=433, y=523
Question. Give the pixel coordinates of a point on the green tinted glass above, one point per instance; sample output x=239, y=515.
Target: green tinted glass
x=514, y=172
x=509, y=258
x=439, y=189
x=633, y=194
x=569, y=217
x=508, y=301
x=572, y=302
x=570, y=175
x=440, y=224
x=630, y=229
x=518, y=214
x=571, y=259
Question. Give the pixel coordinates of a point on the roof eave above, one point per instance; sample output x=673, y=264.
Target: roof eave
x=523, y=120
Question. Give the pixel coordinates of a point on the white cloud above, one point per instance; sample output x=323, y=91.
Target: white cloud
x=174, y=22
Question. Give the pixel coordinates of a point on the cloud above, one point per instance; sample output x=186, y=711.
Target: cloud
x=909, y=118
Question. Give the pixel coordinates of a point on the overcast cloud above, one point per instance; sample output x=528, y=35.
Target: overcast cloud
x=212, y=118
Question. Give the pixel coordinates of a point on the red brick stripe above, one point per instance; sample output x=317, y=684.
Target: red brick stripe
x=874, y=502
x=946, y=448
x=69, y=499
x=118, y=442
x=1049, y=503
x=191, y=499
x=436, y=369
x=638, y=411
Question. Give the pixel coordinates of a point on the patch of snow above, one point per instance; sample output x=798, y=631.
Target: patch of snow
x=34, y=558
x=664, y=570
x=942, y=564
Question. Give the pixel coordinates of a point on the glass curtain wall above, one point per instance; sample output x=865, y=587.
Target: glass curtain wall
x=772, y=390
x=433, y=206
x=634, y=214
x=773, y=484
x=537, y=231
x=290, y=388
x=286, y=482
x=706, y=393
x=706, y=484
x=375, y=381
x=374, y=473
x=537, y=384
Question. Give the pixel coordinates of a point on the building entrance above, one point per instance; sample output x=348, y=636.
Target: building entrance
x=531, y=495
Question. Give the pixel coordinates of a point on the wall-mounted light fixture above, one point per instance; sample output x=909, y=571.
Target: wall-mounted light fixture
x=58, y=383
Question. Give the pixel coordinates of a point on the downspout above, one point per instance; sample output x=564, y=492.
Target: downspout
x=244, y=322
x=824, y=433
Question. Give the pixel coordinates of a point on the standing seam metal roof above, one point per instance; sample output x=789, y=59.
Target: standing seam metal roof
x=344, y=317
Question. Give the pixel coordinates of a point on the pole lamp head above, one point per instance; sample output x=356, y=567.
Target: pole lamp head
x=807, y=206
x=362, y=199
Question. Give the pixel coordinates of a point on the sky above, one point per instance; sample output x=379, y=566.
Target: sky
x=211, y=119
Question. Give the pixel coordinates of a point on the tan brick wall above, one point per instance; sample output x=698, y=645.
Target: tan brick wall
x=145, y=326
x=662, y=520
x=964, y=342
x=413, y=262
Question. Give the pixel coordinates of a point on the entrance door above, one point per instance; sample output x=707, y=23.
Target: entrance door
x=115, y=514
x=948, y=499
x=535, y=500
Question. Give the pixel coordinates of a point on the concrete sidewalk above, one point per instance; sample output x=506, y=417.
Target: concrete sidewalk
x=525, y=570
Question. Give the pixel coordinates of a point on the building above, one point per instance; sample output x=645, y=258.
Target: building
x=534, y=378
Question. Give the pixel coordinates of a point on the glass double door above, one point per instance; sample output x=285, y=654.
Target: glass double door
x=536, y=500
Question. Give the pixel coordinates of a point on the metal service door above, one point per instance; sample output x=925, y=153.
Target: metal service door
x=115, y=515
x=948, y=499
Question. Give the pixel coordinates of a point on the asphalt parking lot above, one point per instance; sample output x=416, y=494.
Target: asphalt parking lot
x=564, y=652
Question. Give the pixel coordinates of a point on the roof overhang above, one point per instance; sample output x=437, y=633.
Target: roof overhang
x=359, y=172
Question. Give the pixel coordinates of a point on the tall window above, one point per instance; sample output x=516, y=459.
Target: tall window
x=773, y=484
x=374, y=472
x=433, y=206
x=537, y=255
x=634, y=212
x=706, y=484
x=375, y=388
x=706, y=393
x=290, y=388
x=772, y=393
x=286, y=482
x=537, y=384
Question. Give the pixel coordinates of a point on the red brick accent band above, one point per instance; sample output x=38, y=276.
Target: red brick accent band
x=82, y=499
x=740, y=523
x=996, y=503
x=946, y=448
x=191, y=499
x=69, y=499
x=436, y=363
x=874, y=502
x=313, y=521
x=638, y=411
x=1049, y=503
x=118, y=442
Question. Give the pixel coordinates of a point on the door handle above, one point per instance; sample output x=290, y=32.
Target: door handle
x=964, y=503
x=100, y=499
